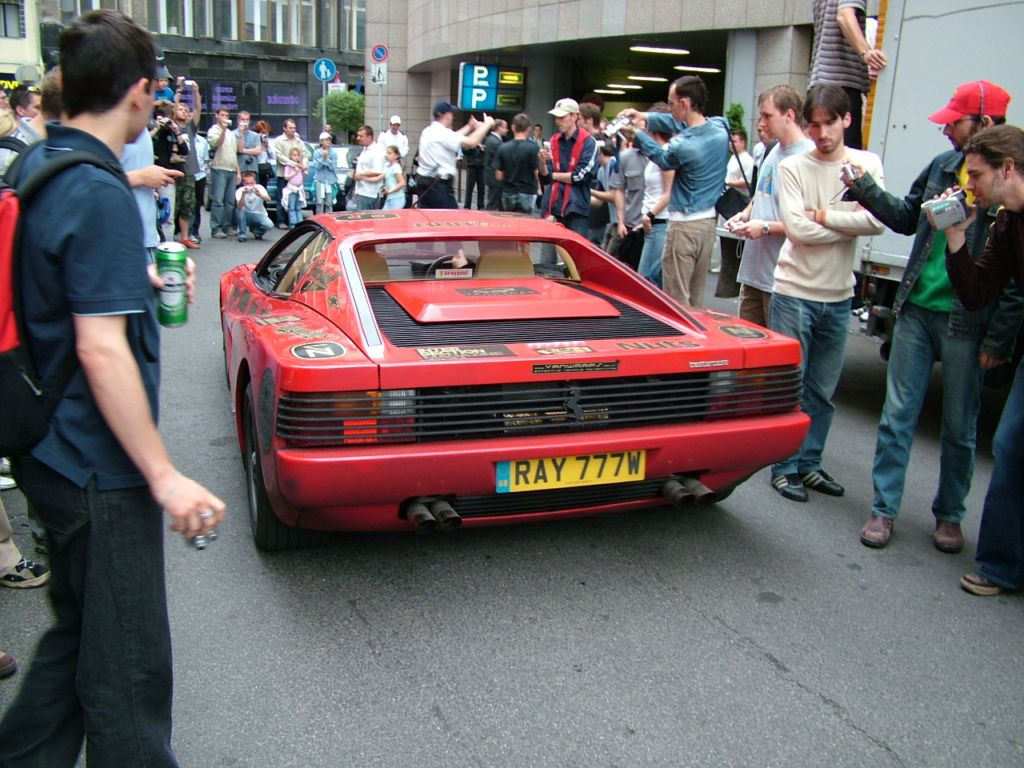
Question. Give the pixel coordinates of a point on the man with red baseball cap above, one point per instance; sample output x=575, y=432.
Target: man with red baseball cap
x=974, y=99
x=931, y=325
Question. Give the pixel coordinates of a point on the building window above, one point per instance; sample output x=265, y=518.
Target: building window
x=354, y=25
x=293, y=22
x=257, y=16
x=12, y=18
x=171, y=17
x=69, y=9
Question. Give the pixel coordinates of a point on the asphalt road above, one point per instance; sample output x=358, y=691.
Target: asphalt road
x=757, y=632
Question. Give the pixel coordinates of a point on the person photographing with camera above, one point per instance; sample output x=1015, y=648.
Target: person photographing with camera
x=933, y=325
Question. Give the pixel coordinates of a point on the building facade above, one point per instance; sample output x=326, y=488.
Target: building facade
x=575, y=47
x=255, y=55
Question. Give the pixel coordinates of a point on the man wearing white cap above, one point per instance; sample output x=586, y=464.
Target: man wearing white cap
x=571, y=163
x=393, y=137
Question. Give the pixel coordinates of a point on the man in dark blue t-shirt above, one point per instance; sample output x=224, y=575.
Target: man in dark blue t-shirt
x=517, y=165
x=99, y=478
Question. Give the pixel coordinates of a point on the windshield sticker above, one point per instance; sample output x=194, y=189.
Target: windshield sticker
x=456, y=273
x=464, y=353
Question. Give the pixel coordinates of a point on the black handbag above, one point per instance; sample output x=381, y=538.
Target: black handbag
x=732, y=201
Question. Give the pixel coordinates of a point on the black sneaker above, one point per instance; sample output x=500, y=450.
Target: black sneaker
x=789, y=487
x=822, y=482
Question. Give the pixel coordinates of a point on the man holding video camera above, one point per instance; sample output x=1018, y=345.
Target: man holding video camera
x=932, y=325
x=995, y=174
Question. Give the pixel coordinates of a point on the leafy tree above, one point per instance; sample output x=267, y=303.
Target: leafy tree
x=734, y=114
x=345, y=112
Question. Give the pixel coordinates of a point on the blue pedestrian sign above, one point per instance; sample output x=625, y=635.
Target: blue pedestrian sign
x=324, y=69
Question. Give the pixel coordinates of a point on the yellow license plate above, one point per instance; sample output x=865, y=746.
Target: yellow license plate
x=570, y=471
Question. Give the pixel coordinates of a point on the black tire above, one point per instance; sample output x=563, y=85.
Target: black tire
x=268, y=532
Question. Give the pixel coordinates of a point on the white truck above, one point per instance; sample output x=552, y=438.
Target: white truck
x=932, y=46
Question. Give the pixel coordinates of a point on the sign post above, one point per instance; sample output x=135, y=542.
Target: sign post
x=379, y=75
x=325, y=70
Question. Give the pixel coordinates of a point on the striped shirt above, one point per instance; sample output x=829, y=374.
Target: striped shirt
x=833, y=60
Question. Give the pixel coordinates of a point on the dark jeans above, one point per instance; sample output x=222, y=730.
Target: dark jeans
x=433, y=193
x=494, y=197
x=474, y=178
x=102, y=673
x=197, y=217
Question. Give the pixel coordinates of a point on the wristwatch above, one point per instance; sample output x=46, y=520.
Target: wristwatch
x=766, y=228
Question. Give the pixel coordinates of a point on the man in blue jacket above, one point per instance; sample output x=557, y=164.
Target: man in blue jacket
x=931, y=325
x=570, y=163
x=699, y=154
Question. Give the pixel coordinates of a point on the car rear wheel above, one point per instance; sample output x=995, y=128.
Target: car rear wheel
x=268, y=532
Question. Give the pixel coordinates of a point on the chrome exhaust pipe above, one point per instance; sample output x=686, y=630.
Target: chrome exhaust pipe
x=676, y=494
x=423, y=522
x=447, y=518
x=698, y=490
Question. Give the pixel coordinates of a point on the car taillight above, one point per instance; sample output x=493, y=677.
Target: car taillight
x=320, y=419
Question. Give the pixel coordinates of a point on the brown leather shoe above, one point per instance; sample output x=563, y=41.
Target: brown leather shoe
x=948, y=537
x=876, y=531
x=7, y=665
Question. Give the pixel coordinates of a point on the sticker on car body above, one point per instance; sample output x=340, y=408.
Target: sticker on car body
x=323, y=350
x=742, y=332
x=464, y=353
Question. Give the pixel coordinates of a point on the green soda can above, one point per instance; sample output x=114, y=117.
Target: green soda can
x=172, y=302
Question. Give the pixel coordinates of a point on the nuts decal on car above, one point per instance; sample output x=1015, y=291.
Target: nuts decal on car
x=666, y=344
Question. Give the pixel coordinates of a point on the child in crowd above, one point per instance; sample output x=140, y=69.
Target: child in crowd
x=394, y=179
x=294, y=199
x=250, y=199
x=325, y=177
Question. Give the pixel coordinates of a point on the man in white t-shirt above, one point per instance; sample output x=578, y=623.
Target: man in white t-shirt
x=393, y=137
x=369, y=175
x=439, y=147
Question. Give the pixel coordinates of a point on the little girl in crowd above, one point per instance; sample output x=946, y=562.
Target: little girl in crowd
x=394, y=179
x=294, y=198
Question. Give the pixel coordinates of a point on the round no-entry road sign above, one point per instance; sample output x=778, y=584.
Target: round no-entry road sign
x=379, y=53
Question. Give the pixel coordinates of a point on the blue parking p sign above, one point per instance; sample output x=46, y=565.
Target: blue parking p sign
x=478, y=87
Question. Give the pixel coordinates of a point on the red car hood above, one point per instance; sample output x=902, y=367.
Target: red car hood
x=466, y=300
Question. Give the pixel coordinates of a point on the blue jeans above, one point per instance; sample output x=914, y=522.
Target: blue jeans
x=521, y=202
x=258, y=220
x=919, y=339
x=222, y=199
x=575, y=222
x=650, y=256
x=105, y=664
x=1000, y=555
x=821, y=328
x=365, y=203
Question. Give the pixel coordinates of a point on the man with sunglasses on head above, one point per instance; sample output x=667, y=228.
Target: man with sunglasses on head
x=932, y=325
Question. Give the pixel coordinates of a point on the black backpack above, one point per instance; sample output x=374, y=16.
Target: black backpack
x=28, y=405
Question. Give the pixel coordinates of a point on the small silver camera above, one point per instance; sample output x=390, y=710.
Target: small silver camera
x=848, y=173
x=947, y=212
x=615, y=126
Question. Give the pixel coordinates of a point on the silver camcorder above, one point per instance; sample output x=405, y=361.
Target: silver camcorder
x=944, y=213
x=848, y=173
